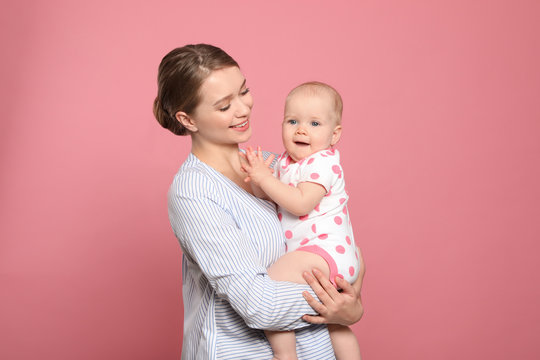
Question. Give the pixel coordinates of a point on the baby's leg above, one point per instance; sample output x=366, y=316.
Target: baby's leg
x=283, y=344
x=290, y=267
x=344, y=342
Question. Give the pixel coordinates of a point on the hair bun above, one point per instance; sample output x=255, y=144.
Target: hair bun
x=166, y=120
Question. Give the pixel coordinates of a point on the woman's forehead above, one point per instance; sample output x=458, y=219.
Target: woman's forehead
x=221, y=83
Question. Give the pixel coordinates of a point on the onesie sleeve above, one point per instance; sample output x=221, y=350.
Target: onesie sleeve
x=322, y=168
x=210, y=239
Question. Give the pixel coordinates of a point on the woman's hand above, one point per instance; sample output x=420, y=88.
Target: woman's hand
x=344, y=308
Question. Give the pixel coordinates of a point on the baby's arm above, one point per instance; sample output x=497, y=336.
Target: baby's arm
x=299, y=200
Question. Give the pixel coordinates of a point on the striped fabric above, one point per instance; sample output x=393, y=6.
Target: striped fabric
x=229, y=238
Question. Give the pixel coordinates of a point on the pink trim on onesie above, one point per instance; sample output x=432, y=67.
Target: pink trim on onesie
x=326, y=256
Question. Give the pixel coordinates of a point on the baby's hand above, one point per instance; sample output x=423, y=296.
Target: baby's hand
x=255, y=166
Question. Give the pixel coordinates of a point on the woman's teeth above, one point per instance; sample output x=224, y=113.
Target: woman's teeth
x=240, y=125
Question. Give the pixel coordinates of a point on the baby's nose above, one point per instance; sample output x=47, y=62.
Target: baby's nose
x=300, y=130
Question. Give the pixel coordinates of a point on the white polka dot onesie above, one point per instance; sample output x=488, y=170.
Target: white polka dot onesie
x=326, y=230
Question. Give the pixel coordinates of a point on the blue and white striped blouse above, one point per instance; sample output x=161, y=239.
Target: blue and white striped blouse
x=228, y=238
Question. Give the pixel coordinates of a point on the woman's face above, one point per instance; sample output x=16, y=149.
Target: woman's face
x=222, y=116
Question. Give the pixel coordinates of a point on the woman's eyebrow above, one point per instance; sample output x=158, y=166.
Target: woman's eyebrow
x=230, y=95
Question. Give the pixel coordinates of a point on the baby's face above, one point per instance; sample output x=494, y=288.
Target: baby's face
x=310, y=125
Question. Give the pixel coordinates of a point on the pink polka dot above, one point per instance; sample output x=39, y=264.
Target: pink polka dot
x=351, y=270
x=287, y=162
x=279, y=216
x=291, y=184
x=317, y=207
x=336, y=169
x=304, y=242
x=310, y=161
x=323, y=155
x=330, y=152
x=348, y=240
x=314, y=176
x=342, y=200
x=303, y=217
x=345, y=210
x=338, y=220
x=314, y=228
x=324, y=236
x=340, y=249
x=288, y=234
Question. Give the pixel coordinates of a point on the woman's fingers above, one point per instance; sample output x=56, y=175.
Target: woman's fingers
x=315, y=319
x=318, y=289
x=315, y=305
x=345, y=286
x=326, y=284
x=343, y=308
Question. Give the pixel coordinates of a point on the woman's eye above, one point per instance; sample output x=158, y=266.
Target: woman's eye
x=225, y=108
x=315, y=123
x=244, y=92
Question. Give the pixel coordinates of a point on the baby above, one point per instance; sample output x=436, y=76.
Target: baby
x=308, y=186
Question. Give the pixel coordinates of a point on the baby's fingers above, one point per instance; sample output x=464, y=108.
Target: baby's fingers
x=260, y=154
x=250, y=156
x=244, y=163
x=269, y=160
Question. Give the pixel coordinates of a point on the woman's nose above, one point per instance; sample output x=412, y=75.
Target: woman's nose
x=244, y=107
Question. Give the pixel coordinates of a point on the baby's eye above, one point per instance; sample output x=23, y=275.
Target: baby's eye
x=291, y=121
x=315, y=123
x=225, y=108
x=244, y=92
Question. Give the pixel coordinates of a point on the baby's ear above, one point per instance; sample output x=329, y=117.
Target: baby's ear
x=336, y=135
x=186, y=121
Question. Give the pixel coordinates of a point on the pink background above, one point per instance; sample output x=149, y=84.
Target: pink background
x=441, y=154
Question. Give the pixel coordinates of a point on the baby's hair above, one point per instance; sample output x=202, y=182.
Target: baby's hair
x=318, y=88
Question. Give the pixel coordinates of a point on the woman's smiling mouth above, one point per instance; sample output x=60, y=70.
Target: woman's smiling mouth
x=241, y=127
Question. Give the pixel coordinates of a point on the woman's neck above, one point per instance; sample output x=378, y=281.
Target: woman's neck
x=217, y=156
x=224, y=159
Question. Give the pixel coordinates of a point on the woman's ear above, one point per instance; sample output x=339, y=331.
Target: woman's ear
x=186, y=121
x=336, y=135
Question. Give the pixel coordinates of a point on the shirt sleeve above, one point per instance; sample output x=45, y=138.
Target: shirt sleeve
x=211, y=239
x=321, y=168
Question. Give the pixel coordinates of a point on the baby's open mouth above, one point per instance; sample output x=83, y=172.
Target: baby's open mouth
x=301, y=143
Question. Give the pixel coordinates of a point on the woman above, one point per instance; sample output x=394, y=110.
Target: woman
x=228, y=236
